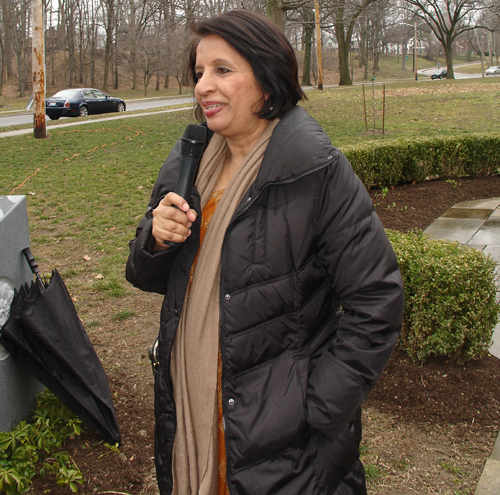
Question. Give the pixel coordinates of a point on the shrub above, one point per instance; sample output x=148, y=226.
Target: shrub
x=38, y=443
x=450, y=298
x=388, y=162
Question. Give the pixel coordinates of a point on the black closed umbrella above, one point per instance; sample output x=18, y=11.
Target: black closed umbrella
x=45, y=335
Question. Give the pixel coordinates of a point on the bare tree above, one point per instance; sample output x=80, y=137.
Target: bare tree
x=7, y=38
x=344, y=14
x=447, y=19
x=2, y=62
x=19, y=12
x=141, y=14
x=149, y=58
x=308, y=33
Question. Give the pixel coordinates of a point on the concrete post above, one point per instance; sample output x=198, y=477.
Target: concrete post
x=18, y=388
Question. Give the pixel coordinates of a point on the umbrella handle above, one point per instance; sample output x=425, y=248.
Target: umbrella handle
x=34, y=267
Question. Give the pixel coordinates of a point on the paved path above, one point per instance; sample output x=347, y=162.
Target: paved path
x=477, y=224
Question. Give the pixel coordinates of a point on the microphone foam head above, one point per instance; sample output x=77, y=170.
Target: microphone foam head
x=193, y=140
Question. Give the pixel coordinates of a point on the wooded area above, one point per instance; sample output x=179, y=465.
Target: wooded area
x=96, y=42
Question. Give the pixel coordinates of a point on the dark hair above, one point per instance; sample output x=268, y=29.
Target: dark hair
x=265, y=48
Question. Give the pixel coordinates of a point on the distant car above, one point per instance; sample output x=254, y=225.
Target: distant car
x=494, y=69
x=440, y=74
x=81, y=102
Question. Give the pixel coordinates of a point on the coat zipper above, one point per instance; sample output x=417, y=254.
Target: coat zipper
x=222, y=349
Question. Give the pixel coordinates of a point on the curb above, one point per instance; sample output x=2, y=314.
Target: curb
x=489, y=482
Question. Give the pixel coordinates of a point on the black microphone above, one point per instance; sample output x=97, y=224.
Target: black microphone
x=192, y=146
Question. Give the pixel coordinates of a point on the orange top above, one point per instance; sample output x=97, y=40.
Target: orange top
x=206, y=216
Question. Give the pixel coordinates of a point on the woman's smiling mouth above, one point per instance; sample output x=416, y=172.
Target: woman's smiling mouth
x=212, y=108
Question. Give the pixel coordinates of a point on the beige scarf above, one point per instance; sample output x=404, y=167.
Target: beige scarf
x=196, y=347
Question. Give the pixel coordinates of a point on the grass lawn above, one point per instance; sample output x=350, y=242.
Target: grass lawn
x=412, y=109
x=88, y=186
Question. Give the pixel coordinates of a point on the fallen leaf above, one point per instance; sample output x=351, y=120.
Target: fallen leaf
x=86, y=257
x=99, y=276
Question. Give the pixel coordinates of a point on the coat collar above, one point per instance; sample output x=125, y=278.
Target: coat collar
x=298, y=145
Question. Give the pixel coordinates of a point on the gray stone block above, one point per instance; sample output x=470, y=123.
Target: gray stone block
x=18, y=388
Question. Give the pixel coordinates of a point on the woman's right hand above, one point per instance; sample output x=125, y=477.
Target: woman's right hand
x=172, y=224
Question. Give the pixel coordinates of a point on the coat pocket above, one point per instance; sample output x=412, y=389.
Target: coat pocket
x=266, y=411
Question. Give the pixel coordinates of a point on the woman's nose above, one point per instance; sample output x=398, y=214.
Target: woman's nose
x=205, y=84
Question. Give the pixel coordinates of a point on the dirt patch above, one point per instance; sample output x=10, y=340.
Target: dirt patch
x=427, y=429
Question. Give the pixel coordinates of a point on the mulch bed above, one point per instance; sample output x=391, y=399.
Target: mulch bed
x=437, y=391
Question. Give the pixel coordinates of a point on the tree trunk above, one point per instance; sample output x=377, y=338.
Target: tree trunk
x=132, y=45
x=71, y=46
x=308, y=35
x=2, y=64
x=92, y=62
x=490, y=55
x=93, y=37
x=274, y=12
x=53, y=63
x=469, y=51
x=7, y=26
x=344, y=49
x=115, y=84
x=134, y=70
x=363, y=43
x=20, y=70
x=376, y=56
x=110, y=4
x=20, y=44
x=449, y=60
x=81, y=50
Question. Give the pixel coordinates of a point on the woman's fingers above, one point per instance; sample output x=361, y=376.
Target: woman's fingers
x=172, y=220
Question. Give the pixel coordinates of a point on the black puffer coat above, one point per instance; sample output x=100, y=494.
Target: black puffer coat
x=311, y=305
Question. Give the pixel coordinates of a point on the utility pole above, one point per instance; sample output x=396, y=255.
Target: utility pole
x=318, y=45
x=38, y=64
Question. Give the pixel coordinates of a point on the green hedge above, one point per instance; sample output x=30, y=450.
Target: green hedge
x=450, y=298
x=387, y=162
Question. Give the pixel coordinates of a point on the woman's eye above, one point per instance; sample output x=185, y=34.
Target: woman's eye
x=222, y=70
x=198, y=75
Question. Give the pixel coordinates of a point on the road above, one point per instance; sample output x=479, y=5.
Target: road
x=458, y=75
x=18, y=118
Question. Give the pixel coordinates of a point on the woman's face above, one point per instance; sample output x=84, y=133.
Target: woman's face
x=227, y=90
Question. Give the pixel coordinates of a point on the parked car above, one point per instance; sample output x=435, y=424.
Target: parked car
x=81, y=102
x=440, y=74
x=494, y=69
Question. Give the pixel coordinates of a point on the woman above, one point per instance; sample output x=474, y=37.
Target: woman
x=274, y=335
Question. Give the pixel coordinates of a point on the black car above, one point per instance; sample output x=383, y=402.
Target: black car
x=81, y=102
x=440, y=74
